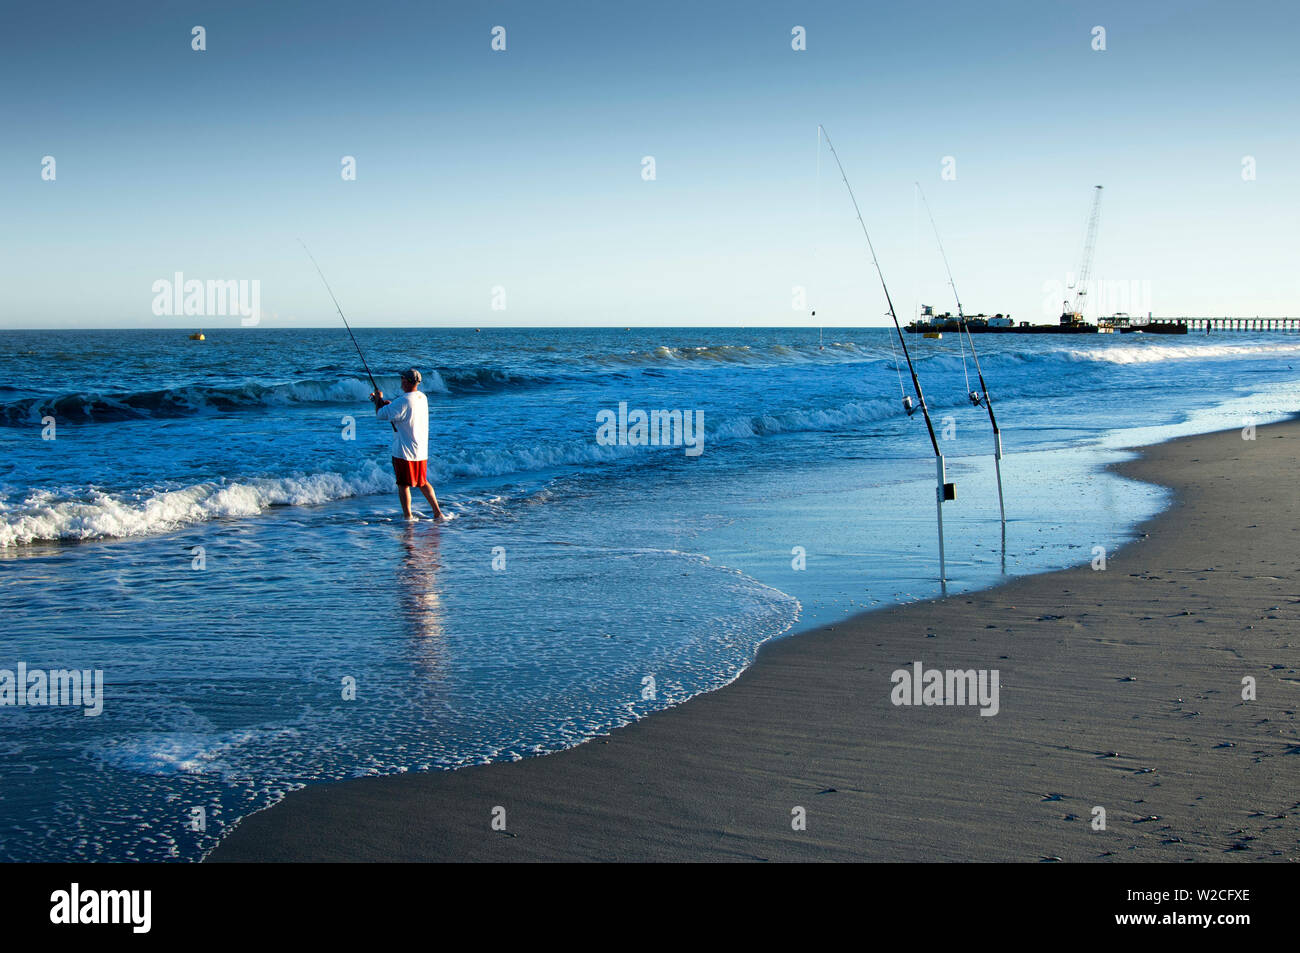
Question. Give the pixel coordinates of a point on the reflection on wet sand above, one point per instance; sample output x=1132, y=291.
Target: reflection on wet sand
x=421, y=601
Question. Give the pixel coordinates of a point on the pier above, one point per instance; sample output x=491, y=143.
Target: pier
x=1239, y=324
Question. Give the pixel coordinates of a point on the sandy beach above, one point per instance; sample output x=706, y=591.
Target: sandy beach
x=1120, y=689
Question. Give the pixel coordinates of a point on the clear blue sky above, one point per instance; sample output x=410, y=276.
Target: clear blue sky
x=523, y=169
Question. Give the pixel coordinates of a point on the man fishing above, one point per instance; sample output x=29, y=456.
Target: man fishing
x=409, y=415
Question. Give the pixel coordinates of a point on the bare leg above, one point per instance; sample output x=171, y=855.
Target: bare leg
x=427, y=490
x=404, y=496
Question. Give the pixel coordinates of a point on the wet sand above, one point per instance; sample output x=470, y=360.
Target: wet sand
x=1119, y=689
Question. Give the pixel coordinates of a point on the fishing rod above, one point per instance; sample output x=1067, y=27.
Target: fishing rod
x=944, y=490
x=983, y=396
x=345, y=320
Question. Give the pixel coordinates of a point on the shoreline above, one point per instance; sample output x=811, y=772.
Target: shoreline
x=1119, y=689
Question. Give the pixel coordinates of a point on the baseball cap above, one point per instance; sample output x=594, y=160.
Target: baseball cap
x=412, y=375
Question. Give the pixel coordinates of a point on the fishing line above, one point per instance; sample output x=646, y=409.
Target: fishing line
x=916, y=244
x=961, y=316
x=341, y=315
x=982, y=397
x=345, y=321
x=817, y=214
x=898, y=369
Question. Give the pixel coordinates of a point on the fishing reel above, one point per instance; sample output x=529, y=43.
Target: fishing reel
x=976, y=398
x=908, y=406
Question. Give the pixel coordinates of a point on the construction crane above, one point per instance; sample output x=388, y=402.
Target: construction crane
x=1075, y=315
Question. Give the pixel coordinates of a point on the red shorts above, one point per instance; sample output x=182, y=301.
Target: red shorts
x=411, y=472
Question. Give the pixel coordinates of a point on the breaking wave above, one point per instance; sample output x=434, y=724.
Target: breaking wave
x=992, y=348
x=185, y=401
x=1156, y=353
x=45, y=516
x=196, y=399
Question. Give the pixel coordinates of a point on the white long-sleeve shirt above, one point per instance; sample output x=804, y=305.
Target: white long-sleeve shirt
x=409, y=413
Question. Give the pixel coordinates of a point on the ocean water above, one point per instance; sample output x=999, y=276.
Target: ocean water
x=213, y=526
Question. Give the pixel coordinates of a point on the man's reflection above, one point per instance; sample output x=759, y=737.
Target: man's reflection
x=420, y=599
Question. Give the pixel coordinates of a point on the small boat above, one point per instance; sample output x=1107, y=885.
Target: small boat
x=198, y=336
x=933, y=334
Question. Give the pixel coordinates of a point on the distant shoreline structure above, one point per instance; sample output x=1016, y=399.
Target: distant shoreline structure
x=1120, y=323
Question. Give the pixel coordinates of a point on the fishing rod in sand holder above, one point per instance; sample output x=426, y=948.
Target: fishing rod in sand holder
x=345, y=320
x=983, y=396
x=943, y=489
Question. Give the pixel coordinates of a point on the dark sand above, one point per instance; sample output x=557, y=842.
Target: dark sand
x=1119, y=688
